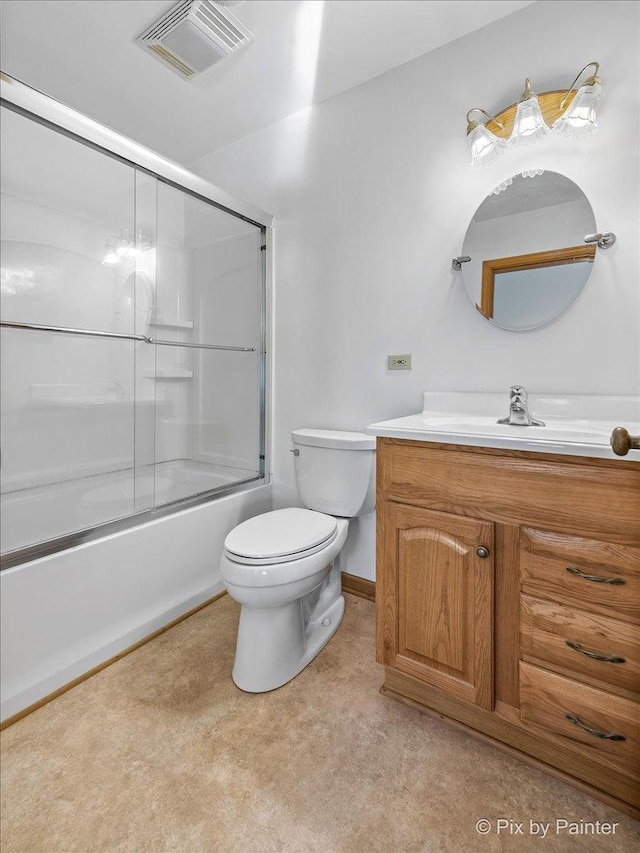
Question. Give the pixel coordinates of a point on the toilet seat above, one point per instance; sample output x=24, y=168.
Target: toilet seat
x=280, y=536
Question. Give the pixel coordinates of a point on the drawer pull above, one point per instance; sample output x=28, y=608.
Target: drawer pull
x=594, y=655
x=595, y=732
x=595, y=578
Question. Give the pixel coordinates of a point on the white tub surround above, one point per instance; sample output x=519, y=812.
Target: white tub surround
x=575, y=425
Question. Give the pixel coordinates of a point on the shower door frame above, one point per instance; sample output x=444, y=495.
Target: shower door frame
x=34, y=105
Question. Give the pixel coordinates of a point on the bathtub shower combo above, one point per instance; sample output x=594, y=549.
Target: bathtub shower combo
x=133, y=334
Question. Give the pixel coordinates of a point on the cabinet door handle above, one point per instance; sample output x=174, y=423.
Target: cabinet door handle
x=594, y=655
x=595, y=578
x=595, y=732
x=482, y=552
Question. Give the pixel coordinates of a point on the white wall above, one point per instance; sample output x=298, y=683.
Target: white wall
x=373, y=193
x=66, y=613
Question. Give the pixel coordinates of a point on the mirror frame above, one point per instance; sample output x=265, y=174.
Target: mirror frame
x=535, y=260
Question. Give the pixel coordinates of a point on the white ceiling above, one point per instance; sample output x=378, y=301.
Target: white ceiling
x=83, y=53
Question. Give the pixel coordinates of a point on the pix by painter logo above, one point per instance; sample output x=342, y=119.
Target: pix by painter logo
x=542, y=829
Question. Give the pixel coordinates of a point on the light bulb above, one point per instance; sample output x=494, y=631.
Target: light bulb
x=143, y=242
x=485, y=146
x=126, y=249
x=529, y=125
x=112, y=258
x=579, y=119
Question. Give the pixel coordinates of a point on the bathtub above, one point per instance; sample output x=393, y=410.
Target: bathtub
x=41, y=513
x=66, y=613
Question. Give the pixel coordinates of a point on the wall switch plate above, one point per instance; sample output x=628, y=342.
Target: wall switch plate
x=399, y=362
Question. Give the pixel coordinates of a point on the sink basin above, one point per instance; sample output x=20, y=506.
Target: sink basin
x=558, y=430
x=577, y=425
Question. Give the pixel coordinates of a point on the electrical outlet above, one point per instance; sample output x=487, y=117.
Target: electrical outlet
x=398, y=362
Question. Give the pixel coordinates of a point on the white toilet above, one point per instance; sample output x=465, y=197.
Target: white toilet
x=281, y=566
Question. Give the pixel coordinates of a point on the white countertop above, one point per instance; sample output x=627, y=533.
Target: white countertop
x=575, y=425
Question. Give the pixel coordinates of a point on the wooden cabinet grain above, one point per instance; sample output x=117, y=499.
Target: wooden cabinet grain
x=504, y=581
x=438, y=622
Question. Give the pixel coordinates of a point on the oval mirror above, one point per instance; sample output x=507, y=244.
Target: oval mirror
x=529, y=261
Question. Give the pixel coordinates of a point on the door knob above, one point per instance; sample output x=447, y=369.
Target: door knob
x=622, y=442
x=482, y=552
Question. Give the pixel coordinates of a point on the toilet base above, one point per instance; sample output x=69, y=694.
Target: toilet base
x=275, y=644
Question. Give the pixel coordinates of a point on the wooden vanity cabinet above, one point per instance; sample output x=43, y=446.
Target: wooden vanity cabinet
x=440, y=624
x=508, y=600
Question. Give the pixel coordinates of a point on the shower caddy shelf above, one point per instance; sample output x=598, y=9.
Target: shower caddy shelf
x=172, y=324
x=171, y=373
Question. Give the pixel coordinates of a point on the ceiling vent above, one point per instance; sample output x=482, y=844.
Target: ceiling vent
x=194, y=35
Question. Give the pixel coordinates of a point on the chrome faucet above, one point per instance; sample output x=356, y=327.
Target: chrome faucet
x=518, y=411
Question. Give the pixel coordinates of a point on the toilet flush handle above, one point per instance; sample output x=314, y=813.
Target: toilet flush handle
x=295, y=451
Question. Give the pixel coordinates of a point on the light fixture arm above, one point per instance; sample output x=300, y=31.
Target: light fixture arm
x=528, y=92
x=471, y=124
x=588, y=82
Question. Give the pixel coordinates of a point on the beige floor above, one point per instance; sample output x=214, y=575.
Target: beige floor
x=161, y=752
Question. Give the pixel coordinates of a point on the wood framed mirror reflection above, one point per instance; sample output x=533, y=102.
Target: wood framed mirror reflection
x=518, y=263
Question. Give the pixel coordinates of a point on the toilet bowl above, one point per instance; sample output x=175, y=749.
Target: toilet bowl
x=283, y=566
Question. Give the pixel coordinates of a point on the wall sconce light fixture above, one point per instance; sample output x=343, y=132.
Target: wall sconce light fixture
x=111, y=258
x=533, y=117
x=122, y=247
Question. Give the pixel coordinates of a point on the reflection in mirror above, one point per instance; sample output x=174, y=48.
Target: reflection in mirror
x=520, y=287
x=528, y=261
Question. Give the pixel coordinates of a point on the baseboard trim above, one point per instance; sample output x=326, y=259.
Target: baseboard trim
x=96, y=669
x=359, y=586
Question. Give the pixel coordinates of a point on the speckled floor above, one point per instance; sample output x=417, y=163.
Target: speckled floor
x=161, y=752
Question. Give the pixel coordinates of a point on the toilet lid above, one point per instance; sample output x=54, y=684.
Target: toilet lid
x=280, y=533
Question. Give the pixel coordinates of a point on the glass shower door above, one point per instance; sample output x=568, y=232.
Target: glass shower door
x=132, y=343
x=208, y=355
x=77, y=409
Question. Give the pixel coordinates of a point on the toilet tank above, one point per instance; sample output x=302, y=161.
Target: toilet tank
x=335, y=471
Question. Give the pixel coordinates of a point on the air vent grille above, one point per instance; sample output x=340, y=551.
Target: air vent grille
x=193, y=35
x=170, y=20
x=220, y=24
x=172, y=60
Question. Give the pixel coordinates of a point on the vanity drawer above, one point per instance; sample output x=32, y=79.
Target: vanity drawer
x=603, y=577
x=546, y=699
x=577, y=642
x=597, y=497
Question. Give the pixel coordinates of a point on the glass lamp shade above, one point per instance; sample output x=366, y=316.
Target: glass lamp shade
x=126, y=248
x=485, y=146
x=502, y=187
x=111, y=258
x=529, y=125
x=143, y=242
x=580, y=117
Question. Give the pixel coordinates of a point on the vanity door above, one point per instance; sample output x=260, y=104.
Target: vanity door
x=435, y=599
